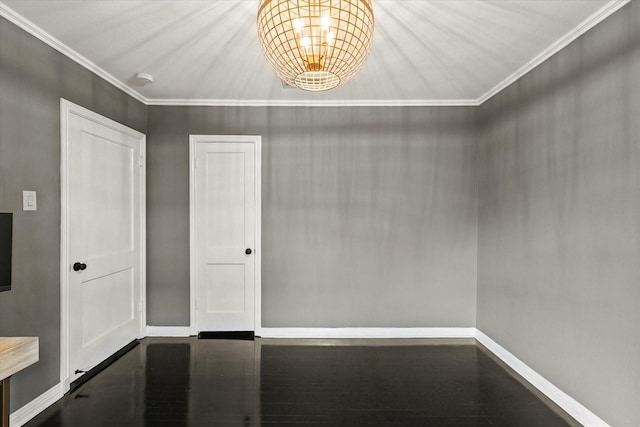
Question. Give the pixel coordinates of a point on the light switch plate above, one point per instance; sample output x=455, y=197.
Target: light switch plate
x=29, y=201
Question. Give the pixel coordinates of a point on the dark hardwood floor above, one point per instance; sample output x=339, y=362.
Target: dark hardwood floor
x=191, y=382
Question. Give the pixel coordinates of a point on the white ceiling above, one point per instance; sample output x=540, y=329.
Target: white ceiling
x=424, y=51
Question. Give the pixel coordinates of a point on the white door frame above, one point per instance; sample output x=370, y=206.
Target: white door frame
x=66, y=110
x=221, y=139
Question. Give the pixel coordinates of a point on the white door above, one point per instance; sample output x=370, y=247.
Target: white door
x=224, y=232
x=104, y=182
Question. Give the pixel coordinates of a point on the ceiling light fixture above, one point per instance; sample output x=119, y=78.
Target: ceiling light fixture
x=315, y=45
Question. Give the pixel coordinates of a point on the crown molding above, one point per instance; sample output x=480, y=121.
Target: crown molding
x=48, y=39
x=314, y=103
x=600, y=15
x=603, y=13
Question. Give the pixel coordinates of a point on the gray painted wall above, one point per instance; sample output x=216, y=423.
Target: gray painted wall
x=559, y=219
x=369, y=215
x=33, y=77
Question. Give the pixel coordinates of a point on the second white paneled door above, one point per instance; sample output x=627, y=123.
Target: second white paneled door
x=223, y=231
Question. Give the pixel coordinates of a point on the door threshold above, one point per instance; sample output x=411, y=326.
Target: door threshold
x=101, y=366
x=227, y=335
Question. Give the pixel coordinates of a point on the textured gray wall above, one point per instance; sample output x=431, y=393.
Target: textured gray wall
x=369, y=215
x=559, y=219
x=33, y=77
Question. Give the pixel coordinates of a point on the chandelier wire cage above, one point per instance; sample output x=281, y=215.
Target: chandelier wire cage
x=315, y=45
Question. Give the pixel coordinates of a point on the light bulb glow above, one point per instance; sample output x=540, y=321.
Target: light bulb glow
x=330, y=38
x=324, y=22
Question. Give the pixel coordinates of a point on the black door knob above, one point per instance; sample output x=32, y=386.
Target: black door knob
x=248, y=251
x=79, y=266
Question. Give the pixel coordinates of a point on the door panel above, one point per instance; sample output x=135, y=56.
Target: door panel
x=107, y=171
x=225, y=288
x=99, y=320
x=104, y=204
x=225, y=199
x=225, y=226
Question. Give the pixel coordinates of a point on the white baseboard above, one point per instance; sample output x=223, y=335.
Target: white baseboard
x=566, y=402
x=366, y=332
x=37, y=405
x=169, y=331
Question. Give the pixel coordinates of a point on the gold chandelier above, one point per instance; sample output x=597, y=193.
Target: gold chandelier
x=315, y=44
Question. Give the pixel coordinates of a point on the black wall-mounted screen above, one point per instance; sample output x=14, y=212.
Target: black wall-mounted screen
x=6, y=228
